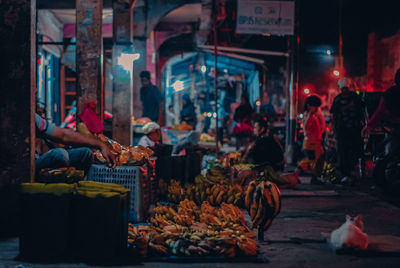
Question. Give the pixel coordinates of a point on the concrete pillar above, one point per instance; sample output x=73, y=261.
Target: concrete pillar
x=140, y=44
x=122, y=75
x=89, y=54
x=205, y=26
x=17, y=105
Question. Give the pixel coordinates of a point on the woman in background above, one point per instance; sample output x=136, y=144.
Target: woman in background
x=313, y=127
x=243, y=130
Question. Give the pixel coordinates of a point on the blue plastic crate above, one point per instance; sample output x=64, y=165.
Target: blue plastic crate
x=130, y=177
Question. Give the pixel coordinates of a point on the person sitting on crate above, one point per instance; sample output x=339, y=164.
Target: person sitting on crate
x=152, y=135
x=80, y=157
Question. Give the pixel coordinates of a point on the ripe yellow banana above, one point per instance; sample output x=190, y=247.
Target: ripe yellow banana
x=249, y=194
x=255, y=203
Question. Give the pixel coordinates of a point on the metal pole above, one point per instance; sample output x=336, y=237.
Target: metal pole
x=216, y=73
x=340, y=39
x=288, y=86
x=292, y=85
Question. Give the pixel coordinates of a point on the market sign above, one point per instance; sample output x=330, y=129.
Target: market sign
x=265, y=17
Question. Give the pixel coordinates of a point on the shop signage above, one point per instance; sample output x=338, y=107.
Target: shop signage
x=265, y=17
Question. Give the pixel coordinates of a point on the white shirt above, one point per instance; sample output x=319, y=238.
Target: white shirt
x=146, y=142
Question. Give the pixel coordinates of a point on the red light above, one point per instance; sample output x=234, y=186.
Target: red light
x=265, y=119
x=38, y=61
x=336, y=73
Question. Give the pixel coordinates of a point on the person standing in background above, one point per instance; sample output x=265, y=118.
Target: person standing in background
x=151, y=97
x=347, y=111
x=313, y=126
x=188, y=113
x=170, y=116
x=243, y=116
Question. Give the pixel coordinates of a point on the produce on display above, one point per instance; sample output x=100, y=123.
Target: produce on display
x=203, y=190
x=204, y=137
x=190, y=230
x=141, y=121
x=214, y=188
x=234, y=157
x=124, y=155
x=61, y=175
x=262, y=201
x=183, y=126
x=242, y=166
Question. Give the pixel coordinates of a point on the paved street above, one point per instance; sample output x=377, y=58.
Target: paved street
x=295, y=240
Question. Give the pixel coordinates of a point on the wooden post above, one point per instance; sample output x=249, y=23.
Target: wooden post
x=17, y=106
x=122, y=73
x=89, y=53
x=216, y=73
x=17, y=94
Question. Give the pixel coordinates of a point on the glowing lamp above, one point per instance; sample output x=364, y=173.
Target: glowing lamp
x=126, y=60
x=336, y=73
x=178, y=85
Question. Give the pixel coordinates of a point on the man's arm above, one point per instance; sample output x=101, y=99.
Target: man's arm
x=67, y=136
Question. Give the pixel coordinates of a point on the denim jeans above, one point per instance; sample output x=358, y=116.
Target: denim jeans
x=80, y=158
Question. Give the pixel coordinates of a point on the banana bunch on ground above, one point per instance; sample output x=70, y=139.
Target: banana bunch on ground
x=175, y=192
x=262, y=200
x=145, y=240
x=214, y=231
x=204, y=190
x=217, y=194
x=234, y=157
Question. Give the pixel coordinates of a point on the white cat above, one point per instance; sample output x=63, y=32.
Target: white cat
x=350, y=234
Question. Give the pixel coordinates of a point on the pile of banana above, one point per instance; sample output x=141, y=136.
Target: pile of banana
x=262, y=200
x=235, y=157
x=190, y=230
x=204, y=190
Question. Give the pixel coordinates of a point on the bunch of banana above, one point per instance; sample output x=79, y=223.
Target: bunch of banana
x=234, y=194
x=243, y=166
x=262, y=200
x=175, y=192
x=166, y=211
x=145, y=238
x=196, y=231
x=211, y=179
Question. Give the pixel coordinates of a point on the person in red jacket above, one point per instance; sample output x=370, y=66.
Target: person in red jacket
x=314, y=127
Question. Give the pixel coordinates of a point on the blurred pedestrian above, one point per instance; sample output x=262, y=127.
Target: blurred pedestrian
x=188, y=113
x=171, y=116
x=151, y=97
x=314, y=127
x=348, y=115
x=243, y=116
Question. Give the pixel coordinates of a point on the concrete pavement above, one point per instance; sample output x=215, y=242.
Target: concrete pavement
x=294, y=239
